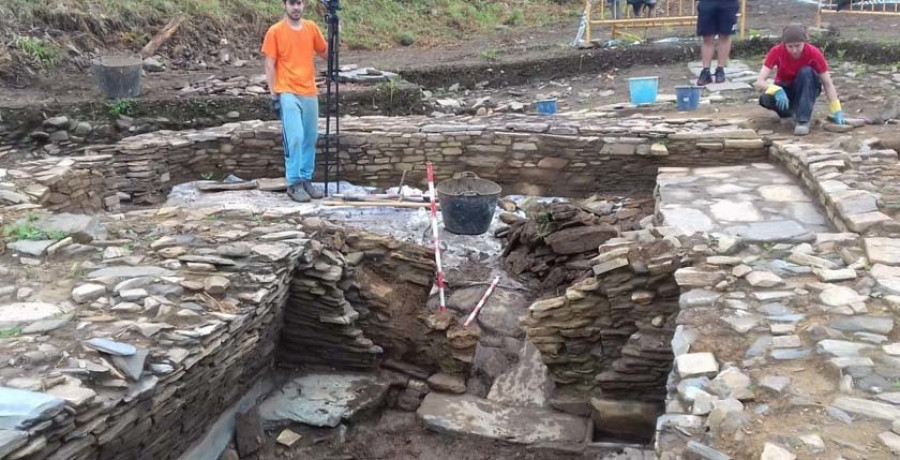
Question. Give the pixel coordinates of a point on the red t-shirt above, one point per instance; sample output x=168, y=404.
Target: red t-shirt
x=788, y=67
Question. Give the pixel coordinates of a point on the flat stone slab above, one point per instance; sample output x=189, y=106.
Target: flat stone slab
x=10, y=440
x=528, y=383
x=772, y=232
x=467, y=414
x=23, y=313
x=21, y=409
x=322, y=400
x=688, y=220
x=121, y=273
x=873, y=409
x=883, y=250
x=35, y=248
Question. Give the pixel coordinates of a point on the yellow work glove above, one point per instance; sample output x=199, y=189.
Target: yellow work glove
x=781, y=100
x=836, y=112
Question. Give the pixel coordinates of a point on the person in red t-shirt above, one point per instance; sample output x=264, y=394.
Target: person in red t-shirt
x=802, y=73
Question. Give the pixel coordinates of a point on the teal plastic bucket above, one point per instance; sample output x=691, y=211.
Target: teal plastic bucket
x=643, y=89
x=687, y=97
x=547, y=107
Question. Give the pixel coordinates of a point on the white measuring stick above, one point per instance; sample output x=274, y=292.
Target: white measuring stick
x=481, y=302
x=434, y=228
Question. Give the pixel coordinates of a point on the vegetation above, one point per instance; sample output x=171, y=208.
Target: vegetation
x=26, y=230
x=121, y=107
x=12, y=332
x=43, y=53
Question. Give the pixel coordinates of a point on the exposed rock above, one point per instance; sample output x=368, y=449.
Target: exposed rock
x=35, y=248
x=466, y=414
x=696, y=364
x=322, y=399
x=447, y=383
x=88, y=292
x=527, y=383
x=24, y=313
x=111, y=347
x=774, y=452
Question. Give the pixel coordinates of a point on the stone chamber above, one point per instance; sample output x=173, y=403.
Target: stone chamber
x=698, y=290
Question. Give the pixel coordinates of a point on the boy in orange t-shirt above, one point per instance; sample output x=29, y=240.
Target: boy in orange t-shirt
x=290, y=48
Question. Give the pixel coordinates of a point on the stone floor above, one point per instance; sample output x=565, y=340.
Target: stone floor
x=757, y=202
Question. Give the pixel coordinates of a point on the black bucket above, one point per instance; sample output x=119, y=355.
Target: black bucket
x=119, y=77
x=468, y=204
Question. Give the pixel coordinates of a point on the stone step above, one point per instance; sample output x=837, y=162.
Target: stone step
x=467, y=414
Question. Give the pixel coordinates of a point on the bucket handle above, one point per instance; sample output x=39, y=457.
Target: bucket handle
x=469, y=174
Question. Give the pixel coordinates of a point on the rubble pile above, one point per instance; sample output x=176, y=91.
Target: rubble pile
x=553, y=247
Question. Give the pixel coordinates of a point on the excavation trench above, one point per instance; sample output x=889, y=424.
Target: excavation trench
x=573, y=350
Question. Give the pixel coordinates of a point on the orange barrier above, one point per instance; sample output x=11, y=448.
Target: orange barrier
x=867, y=7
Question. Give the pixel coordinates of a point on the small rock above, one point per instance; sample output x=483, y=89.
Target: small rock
x=56, y=123
x=775, y=383
x=216, y=285
x=153, y=65
x=696, y=365
x=447, y=383
x=287, y=438
x=891, y=440
x=111, y=347
x=773, y=452
x=88, y=292
x=764, y=279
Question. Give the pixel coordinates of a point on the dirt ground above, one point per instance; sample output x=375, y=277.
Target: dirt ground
x=764, y=17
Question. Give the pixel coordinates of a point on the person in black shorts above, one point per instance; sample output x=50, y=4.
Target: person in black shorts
x=715, y=17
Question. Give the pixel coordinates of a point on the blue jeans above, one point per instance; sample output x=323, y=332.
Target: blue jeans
x=802, y=94
x=300, y=121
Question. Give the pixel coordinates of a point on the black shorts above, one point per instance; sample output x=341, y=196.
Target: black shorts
x=717, y=17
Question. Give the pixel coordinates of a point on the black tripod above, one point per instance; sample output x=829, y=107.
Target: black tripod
x=333, y=98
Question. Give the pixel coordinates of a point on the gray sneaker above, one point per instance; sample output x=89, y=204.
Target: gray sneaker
x=297, y=193
x=801, y=129
x=313, y=191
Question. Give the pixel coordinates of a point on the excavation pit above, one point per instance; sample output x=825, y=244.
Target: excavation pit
x=581, y=329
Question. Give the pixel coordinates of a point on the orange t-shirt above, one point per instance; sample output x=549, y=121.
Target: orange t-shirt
x=294, y=53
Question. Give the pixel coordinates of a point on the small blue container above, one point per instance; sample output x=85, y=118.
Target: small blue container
x=643, y=89
x=687, y=97
x=547, y=107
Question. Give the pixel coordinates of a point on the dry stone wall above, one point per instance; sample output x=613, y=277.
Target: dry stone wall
x=83, y=183
x=525, y=154
x=613, y=330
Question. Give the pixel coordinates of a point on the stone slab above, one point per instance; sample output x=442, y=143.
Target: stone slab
x=322, y=400
x=528, y=383
x=23, y=313
x=22, y=409
x=467, y=414
x=883, y=250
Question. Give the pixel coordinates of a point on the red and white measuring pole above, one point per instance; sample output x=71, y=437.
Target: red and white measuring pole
x=437, y=241
x=481, y=302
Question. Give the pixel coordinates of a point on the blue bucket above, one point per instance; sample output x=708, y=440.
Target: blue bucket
x=643, y=89
x=547, y=107
x=687, y=97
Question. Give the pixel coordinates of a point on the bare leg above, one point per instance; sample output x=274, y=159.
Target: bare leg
x=724, y=50
x=707, y=49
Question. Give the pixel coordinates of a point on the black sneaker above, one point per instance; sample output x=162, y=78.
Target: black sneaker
x=297, y=193
x=705, y=78
x=720, y=75
x=313, y=191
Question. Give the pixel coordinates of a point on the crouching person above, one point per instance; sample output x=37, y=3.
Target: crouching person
x=802, y=73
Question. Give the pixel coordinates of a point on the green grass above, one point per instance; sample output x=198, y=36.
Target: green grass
x=12, y=332
x=489, y=54
x=27, y=231
x=43, y=53
x=120, y=107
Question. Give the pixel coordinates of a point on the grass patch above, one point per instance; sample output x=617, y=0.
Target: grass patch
x=12, y=332
x=489, y=54
x=121, y=107
x=26, y=230
x=43, y=53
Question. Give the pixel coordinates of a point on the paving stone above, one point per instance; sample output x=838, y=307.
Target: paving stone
x=35, y=248
x=75, y=395
x=837, y=296
x=773, y=232
x=876, y=324
x=742, y=322
x=786, y=341
x=841, y=348
x=467, y=414
x=884, y=271
x=764, y=279
x=883, y=250
x=689, y=220
x=855, y=202
x=774, y=452
x=868, y=408
x=784, y=354
x=25, y=313
x=812, y=261
x=832, y=276
x=889, y=285
x=782, y=328
x=698, y=298
x=696, y=364
x=735, y=211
